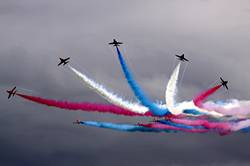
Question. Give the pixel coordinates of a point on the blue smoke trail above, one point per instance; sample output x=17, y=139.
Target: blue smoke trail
x=192, y=112
x=179, y=125
x=246, y=130
x=120, y=127
x=138, y=91
x=138, y=128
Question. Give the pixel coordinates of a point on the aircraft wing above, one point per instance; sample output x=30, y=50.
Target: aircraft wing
x=59, y=63
x=9, y=95
x=226, y=86
x=65, y=63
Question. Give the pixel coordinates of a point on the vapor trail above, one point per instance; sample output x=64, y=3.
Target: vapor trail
x=140, y=95
x=84, y=106
x=171, y=91
x=200, y=98
x=110, y=96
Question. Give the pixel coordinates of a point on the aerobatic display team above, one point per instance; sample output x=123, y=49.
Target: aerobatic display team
x=194, y=116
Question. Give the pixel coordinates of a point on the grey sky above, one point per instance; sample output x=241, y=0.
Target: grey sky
x=213, y=34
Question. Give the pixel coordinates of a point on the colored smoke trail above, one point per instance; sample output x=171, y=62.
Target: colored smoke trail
x=176, y=123
x=235, y=108
x=140, y=127
x=200, y=98
x=190, y=108
x=116, y=100
x=171, y=91
x=221, y=127
x=241, y=125
x=178, y=108
x=140, y=95
x=182, y=126
x=246, y=130
x=85, y=106
x=109, y=96
x=174, y=128
x=119, y=127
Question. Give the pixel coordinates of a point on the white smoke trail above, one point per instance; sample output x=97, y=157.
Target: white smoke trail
x=233, y=107
x=111, y=97
x=171, y=91
x=185, y=105
x=177, y=108
x=136, y=107
x=170, y=94
x=240, y=125
x=182, y=76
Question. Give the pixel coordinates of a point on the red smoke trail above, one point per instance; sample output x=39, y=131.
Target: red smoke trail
x=168, y=127
x=222, y=127
x=106, y=108
x=84, y=106
x=200, y=98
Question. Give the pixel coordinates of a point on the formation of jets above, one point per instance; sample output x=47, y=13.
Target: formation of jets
x=115, y=43
x=63, y=61
x=11, y=92
x=180, y=57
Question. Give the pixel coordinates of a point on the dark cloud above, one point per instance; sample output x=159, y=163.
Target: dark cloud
x=214, y=35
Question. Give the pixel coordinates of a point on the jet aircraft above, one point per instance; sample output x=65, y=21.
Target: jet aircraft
x=224, y=83
x=182, y=58
x=63, y=61
x=115, y=43
x=11, y=92
x=77, y=122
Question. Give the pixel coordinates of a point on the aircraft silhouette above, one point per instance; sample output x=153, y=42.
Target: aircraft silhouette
x=11, y=92
x=182, y=58
x=224, y=83
x=77, y=122
x=64, y=61
x=115, y=43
